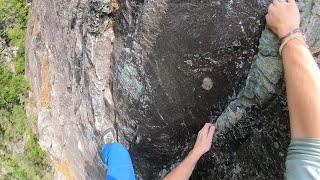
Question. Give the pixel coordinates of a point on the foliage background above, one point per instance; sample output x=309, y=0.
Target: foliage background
x=20, y=155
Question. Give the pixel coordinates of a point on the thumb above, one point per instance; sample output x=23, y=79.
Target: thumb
x=211, y=132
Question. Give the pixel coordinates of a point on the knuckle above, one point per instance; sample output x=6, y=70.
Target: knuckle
x=270, y=7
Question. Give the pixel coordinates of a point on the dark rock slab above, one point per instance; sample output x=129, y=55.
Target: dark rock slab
x=185, y=62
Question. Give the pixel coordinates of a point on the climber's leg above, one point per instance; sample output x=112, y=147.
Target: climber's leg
x=118, y=161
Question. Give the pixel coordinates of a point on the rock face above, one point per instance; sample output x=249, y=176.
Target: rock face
x=157, y=70
x=68, y=69
x=183, y=63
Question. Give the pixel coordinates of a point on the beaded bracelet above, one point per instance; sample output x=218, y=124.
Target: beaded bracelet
x=297, y=30
x=292, y=36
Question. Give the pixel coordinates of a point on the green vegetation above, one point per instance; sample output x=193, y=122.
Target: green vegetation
x=20, y=155
x=13, y=18
x=12, y=87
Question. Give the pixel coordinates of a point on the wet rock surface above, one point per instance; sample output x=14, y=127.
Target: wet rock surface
x=157, y=71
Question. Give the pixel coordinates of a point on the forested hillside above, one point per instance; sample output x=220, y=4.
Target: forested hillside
x=20, y=155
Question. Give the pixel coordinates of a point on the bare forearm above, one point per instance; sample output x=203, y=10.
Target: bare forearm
x=203, y=144
x=184, y=170
x=303, y=90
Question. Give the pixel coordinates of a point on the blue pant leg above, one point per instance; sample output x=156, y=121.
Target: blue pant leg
x=118, y=161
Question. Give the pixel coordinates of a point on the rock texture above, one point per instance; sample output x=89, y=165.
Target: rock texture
x=7, y=54
x=68, y=69
x=266, y=71
x=157, y=70
x=184, y=63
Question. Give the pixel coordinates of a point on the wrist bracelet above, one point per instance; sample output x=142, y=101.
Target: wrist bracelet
x=292, y=36
x=297, y=30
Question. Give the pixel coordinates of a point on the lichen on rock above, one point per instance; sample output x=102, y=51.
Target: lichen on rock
x=266, y=71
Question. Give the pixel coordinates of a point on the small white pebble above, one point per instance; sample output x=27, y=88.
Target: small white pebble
x=207, y=83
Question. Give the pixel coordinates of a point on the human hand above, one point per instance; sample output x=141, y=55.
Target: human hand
x=283, y=17
x=202, y=145
x=204, y=139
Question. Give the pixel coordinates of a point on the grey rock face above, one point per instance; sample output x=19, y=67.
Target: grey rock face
x=68, y=69
x=156, y=70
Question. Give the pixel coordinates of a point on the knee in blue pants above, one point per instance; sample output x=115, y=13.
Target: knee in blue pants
x=118, y=161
